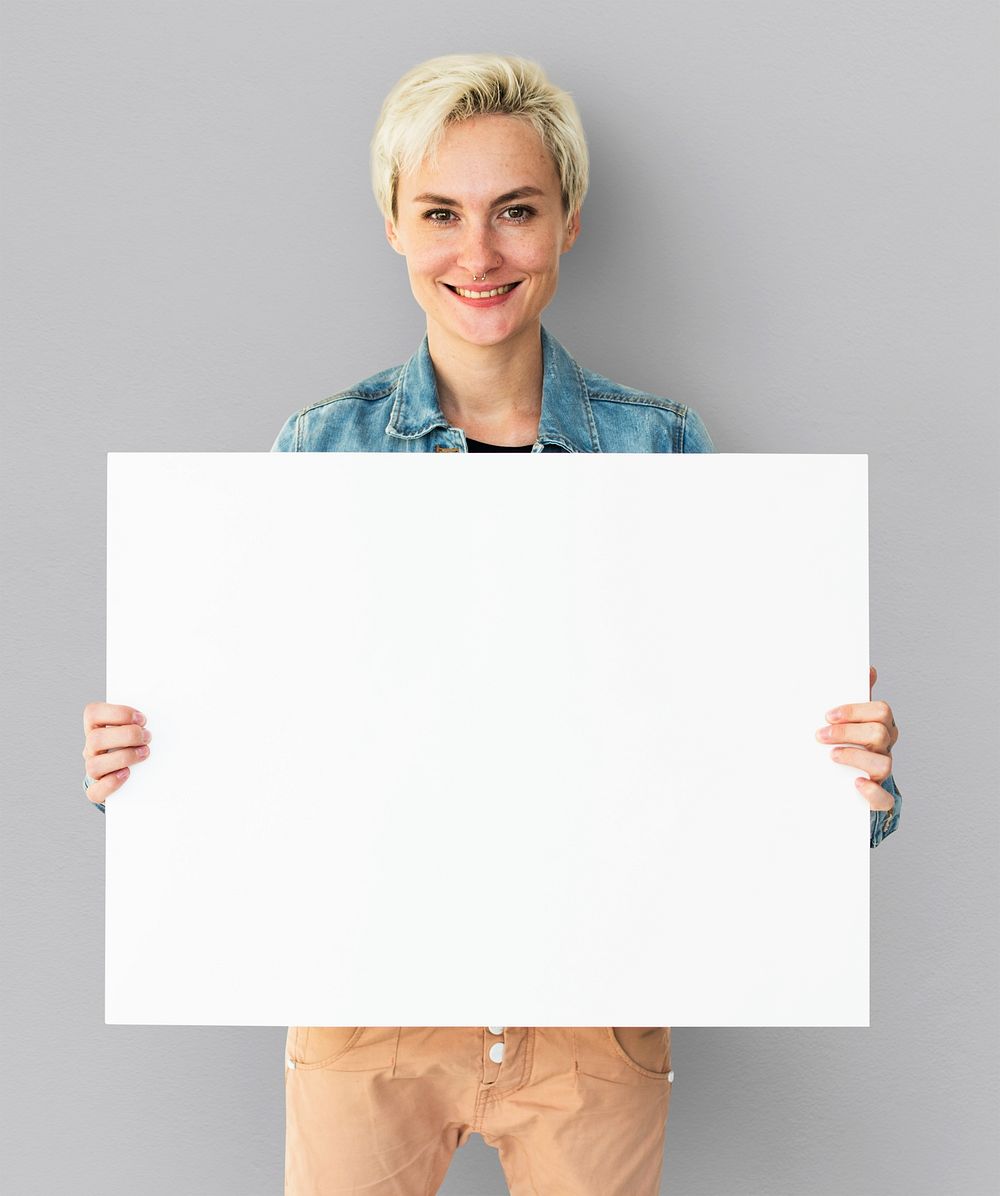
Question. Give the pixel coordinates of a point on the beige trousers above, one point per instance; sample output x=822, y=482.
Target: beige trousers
x=380, y=1110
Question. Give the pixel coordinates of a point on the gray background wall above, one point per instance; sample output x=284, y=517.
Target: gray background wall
x=791, y=227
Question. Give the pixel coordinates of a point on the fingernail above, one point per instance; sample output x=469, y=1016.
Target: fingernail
x=835, y=713
x=137, y=717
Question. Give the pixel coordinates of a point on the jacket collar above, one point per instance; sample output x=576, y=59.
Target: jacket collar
x=567, y=420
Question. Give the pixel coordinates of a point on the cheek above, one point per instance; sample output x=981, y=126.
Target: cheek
x=539, y=258
x=428, y=262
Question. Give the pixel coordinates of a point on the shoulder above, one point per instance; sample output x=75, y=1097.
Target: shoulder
x=307, y=429
x=375, y=387
x=670, y=426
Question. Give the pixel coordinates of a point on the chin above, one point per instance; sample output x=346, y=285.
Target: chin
x=484, y=332
x=485, y=335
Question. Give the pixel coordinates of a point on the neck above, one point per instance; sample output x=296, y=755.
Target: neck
x=493, y=392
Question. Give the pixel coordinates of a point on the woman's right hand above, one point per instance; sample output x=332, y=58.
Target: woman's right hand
x=114, y=738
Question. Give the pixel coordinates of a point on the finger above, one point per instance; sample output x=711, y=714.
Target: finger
x=876, y=797
x=106, y=714
x=107, y=762
x=102, y=789
x=877, y=765
x=862, y=712
x=104, y=739
x=875, y=736
x=872, y=678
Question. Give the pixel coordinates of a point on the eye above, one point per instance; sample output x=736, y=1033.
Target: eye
x=524, y=213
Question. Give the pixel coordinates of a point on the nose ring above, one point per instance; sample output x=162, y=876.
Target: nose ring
x=475, y=277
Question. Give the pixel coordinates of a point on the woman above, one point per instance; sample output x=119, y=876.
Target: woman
x=480, y=167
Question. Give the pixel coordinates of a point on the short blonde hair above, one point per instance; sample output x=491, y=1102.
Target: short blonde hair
x=454, y=87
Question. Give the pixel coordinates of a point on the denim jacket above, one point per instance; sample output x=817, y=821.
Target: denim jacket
x=397, y=411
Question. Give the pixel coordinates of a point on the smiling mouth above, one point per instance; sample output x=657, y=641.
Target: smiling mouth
x=468, y=293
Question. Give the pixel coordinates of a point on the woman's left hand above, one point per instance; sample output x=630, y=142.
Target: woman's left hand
x=871, y=724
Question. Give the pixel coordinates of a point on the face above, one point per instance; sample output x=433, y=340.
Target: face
x=459, y=218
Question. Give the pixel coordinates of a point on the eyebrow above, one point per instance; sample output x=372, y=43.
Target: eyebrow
x=518, y=193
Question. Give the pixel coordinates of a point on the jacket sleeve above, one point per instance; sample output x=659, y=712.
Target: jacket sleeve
x=694, y=434
x=87, y=782
x=884, y=822
x=287, y=440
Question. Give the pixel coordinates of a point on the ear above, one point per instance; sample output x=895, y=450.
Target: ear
x=572, y=231
x=391, y=235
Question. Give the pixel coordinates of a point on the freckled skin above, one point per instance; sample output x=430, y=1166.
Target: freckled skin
x=478, y=160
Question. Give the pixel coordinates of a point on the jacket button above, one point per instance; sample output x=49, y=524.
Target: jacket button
x=495, y=1029
x=496, y=1052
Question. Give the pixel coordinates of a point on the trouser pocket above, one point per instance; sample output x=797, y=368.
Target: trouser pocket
x=341, y=1048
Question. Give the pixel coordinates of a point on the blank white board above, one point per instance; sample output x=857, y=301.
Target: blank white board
x=449, y=739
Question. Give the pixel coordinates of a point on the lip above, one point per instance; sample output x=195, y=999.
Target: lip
x=493, y=302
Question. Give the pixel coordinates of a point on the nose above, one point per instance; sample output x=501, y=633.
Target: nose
x=478, y=250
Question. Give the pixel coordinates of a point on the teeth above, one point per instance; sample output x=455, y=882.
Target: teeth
x=485, y=294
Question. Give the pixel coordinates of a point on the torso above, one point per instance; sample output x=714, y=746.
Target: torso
x=508, y=436
x=482, y=446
